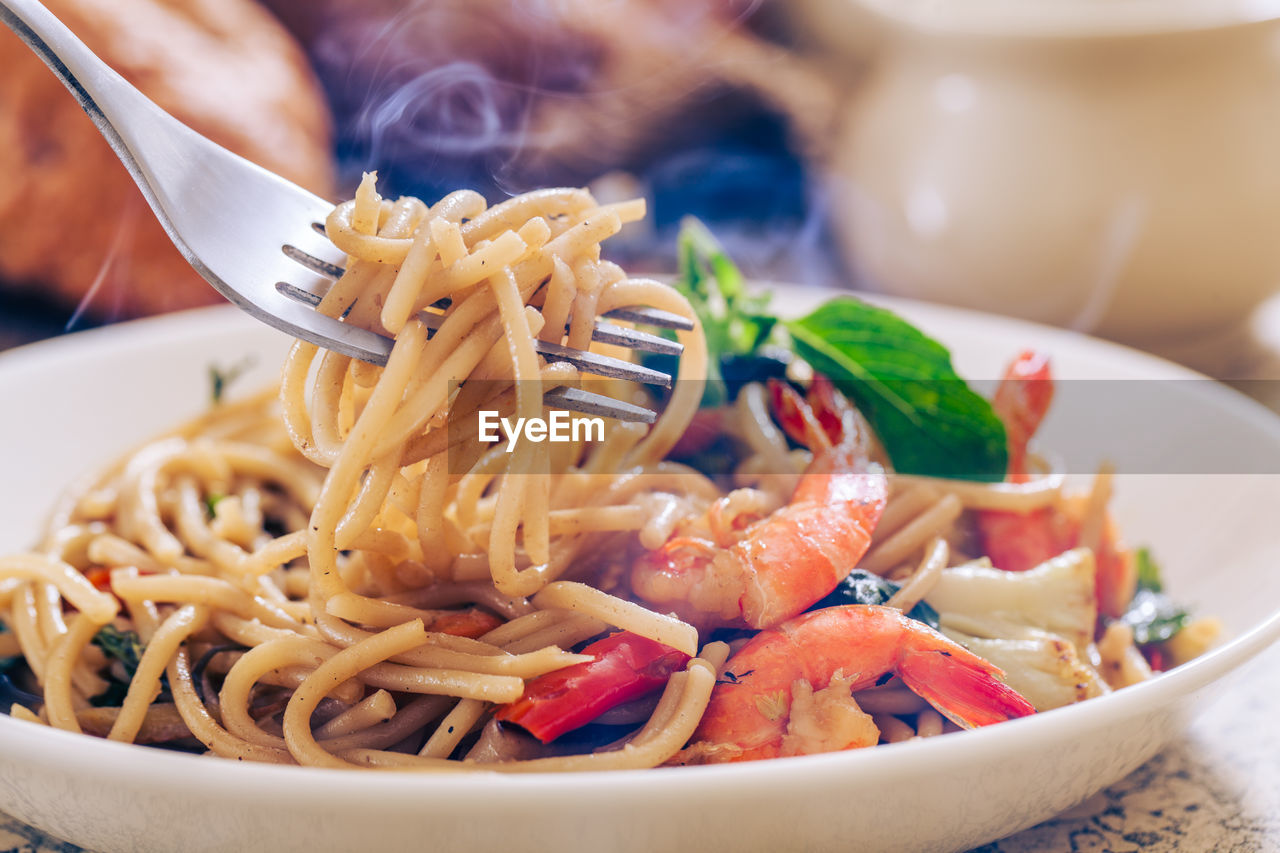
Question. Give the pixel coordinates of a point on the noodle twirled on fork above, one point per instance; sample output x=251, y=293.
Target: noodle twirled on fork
x=358, y=579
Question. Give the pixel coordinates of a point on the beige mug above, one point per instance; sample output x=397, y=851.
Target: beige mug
x=1107, y=166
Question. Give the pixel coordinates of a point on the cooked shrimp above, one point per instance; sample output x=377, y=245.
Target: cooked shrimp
x=753, y=710
x=1017, y=542
x=766, y=570
x=1021, y=401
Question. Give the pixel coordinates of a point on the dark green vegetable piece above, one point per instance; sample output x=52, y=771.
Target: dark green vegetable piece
x=11, y=694
x=1151, y=615
x=113, y=696
x=122, y=646
x=211, y=504
x=6, y=663
x=928, y=418
x=220, y=378
x=1148, y=572
x=863, y=587
x=736, y=325
x=768, y=362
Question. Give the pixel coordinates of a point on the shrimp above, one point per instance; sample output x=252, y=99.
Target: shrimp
x=1021, y=401
x=769, y=569
x=1017, y=542
x=754, y=708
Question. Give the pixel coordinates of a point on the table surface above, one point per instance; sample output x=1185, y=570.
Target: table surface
x=1216, y=788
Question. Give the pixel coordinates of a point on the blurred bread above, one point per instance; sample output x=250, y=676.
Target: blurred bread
x=73, y=225
x=514, y=96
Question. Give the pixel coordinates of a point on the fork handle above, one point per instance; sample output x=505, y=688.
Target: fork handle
x=127, y=118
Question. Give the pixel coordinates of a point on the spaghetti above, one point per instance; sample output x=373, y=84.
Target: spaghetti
x=327, y=575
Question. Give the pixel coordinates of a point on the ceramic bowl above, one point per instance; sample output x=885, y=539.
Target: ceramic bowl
x=73, y=403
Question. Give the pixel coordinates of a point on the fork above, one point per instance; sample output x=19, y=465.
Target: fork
x=258, y=238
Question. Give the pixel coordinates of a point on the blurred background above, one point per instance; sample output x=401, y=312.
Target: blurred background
x=1100, y=166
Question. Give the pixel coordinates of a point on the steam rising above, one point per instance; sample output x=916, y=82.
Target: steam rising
x=507, y=95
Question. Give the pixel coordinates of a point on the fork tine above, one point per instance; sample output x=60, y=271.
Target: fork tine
x=573, y=399
x=652, y=317
x=303, y=321
x=589, y=362
x=577, y=400
x=602, y=365
x=608, y=333
x=605, y=333
x=311, y=262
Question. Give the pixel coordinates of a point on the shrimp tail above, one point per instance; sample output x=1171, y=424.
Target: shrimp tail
x=833, y=411
x=964, y=688
x=824, y=417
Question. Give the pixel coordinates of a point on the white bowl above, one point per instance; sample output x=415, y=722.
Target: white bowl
x=73, y=402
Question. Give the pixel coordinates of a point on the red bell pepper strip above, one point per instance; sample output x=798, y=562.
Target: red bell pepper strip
x=626, y=666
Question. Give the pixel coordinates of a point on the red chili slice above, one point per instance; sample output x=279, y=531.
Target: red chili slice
x=626, y=666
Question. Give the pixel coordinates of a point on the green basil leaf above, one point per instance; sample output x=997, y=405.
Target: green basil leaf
x=928, y=418
x=733, y=322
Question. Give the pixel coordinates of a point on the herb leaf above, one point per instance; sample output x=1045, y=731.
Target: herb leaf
x=123, y=646
x=222, y=377
x=735, y=324
x=929, y=420
x=1151, y=615
x=211, y=504
x=927, y=417
x=863, y=587
x=126, y=648
x=1148, y=571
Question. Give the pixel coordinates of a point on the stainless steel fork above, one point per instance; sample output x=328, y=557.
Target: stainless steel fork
x=256, y=237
